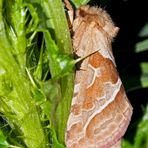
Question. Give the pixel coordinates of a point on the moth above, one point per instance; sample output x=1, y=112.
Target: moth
x=100, y=111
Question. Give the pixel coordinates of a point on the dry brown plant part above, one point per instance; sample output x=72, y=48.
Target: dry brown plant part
x=70, y=13
x=100, y=111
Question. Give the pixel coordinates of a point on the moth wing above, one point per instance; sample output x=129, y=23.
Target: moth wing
x=100, y=111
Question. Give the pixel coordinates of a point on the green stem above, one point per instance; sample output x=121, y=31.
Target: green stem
x=55, y=12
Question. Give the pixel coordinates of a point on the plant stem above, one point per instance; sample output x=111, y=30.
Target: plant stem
x=59, y=24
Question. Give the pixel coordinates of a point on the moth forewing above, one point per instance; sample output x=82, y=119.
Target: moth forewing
x=100, y=111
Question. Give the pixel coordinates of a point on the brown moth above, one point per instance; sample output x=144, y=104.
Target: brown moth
x=100, y=111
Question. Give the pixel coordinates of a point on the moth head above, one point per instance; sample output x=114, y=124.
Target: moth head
x=101, y=18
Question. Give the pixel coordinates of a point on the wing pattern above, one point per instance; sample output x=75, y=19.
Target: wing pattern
x=100, y=111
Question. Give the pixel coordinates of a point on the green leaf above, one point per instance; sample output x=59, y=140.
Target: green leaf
x=60, y=32
x=144, y=75
x=126, y=144
x=144, y=31
x=58, y=23
x=78, y=3
x=22, y=114
x=140, y=139
x=141, y=46
x=142, y=134
x=3, y=142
